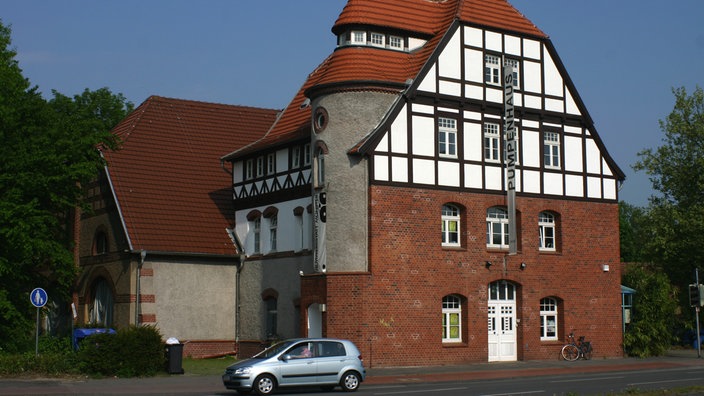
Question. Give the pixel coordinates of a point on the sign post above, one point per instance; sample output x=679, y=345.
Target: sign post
x=511, y=155
x=38, y=298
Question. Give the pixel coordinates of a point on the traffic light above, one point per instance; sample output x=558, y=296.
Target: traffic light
x=696, y=292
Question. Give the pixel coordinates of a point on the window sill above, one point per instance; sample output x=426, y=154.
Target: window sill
x=550, y=252
x=454, y=248
x=450, y=344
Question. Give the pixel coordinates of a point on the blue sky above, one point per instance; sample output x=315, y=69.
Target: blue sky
x=624, y=56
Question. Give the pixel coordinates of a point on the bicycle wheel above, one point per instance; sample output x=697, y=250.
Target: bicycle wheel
x=570, y=352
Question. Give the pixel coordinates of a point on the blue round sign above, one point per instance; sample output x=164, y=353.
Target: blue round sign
x=38, y=297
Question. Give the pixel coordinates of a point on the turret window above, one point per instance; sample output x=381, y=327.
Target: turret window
x=377, y=39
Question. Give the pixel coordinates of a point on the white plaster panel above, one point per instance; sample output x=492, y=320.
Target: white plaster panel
x=237, y=172
x=450, y=88
x=593, y=157
x=381, y=167
x=423, y=171
x=493, y=175
x=474, y=92
x=399, y=132
x=594, y=187
x=574, y=186
x=530, y=124
x=473, y=36
x=493, y=41
x=473, y=65
x=512, y=45
x=428, y=82
x=473, y=141
x=282, y=160
x=449, y=174
x=553, y=79
x=574, y=130
x=473, y=115
x=423, y=136
x=531, y=182
x=605, y=168
x=531, y=49
x=425, y=109
x=448, y=110
x=572, y=107
x=552, y=183
x=494, y=95
x=534, y=102
x=399, y=169
x=573, y=154
x=554, y=105
x=609, y=189
x=449, y=62
x=531, y=148
x=552, y=125
x=518, y=99
x=383, y=145
x=415, y=43
x=473, y=176
x=532, y=77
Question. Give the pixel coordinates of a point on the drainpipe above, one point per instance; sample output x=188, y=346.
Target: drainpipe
x=142, y=256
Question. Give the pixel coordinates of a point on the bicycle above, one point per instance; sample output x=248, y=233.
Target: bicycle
x=574, y=350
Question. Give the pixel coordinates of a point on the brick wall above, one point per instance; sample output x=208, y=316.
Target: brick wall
x=394, y=312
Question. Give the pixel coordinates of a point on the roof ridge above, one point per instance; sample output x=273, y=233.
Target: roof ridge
x=202, y=102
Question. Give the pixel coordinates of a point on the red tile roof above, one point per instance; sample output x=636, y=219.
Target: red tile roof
x=374, y=68
x=167, y=177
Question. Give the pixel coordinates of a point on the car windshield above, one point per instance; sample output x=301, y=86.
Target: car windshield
x=273, y=350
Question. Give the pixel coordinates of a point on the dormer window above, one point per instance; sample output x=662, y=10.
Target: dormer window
x=396, y=42
x=359, y=37
x=377, y=39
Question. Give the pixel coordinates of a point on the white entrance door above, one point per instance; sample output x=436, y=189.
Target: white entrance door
x=315, y=321
x=502, y=322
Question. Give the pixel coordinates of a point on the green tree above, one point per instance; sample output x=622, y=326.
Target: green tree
x=651, y=330
x=676, y=214
x=633, y=228
x=48, y=149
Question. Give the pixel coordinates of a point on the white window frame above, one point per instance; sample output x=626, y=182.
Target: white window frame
x=273, y=225
x=306, y=154
x=271, y=164
x=492, y=69
x=497, y=225
x=551, y=150
x=548, y=319
x=249, y=169
x=260, y=166
x=451, y=309
x=516, y=71
x=450, y=219
x=377, y=39
x=358, y=37
x=547, y=231
x=396, y=42
x=492, y=151
x=296, y=157
x=257, y=235
x=447, y=137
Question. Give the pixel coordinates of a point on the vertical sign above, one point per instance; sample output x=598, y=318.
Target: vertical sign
x=511, y=152
x=320, y=208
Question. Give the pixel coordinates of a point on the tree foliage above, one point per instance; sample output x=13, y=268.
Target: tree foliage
x=49, y=148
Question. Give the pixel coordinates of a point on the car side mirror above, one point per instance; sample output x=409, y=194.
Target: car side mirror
x=285, y=357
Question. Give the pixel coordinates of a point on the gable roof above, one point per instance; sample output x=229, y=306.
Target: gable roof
x=369, y=68
x=167, y=178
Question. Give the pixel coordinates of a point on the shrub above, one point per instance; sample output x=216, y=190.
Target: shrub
x=134, y=351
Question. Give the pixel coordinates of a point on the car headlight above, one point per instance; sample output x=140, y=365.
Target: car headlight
x=243, y=370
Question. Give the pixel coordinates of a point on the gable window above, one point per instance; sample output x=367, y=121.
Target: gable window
x=395, y=42
x=359, y=37
x=377, y=39
x=451, y=319
x=296, y=157
x=496, y=228
x=447, y=137
x=271, y=164
x=492, y=70
x=306, y=154
x=551, y=150
x=491, y=142
x=249, y=169
x=100, y=243
x=516, y=74
x=548, y=319
x=260, y=166
x=546, y=228
x=450, y=225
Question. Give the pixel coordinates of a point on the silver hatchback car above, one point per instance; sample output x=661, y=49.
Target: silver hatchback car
x=323, y=362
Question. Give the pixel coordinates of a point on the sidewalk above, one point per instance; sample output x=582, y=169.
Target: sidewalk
x=475, y=371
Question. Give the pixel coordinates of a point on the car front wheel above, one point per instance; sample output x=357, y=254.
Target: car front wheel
x=265, y=384
x=350, y=381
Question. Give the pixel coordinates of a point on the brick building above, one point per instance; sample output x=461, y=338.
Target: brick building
x=436, y=192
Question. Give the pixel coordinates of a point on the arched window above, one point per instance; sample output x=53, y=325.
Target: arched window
x=548, y=319
x=496, y=228
x=450, y=225
x=100, y=243
x=101, y=309
x=451, y=319
x=546, y=230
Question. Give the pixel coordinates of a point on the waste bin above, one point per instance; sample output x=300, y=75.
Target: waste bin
x=174, y=358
